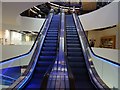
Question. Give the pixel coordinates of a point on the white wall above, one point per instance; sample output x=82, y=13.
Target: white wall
x=103, y=17
x=111, y=54
x=26, y=24
x=9, y=51
x=31, y=24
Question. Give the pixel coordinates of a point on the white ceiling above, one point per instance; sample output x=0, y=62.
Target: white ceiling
x=12, y=10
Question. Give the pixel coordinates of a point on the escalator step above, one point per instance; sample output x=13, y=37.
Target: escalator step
x=74, y=49
x=72, y=41
x=44, y=64
x=48, y=53
x=75, y=59
x=49, y=48
x=46, y=58
x=74, y=54
x=82, y=77
x=52, y=35
x=52, y=32
x=70, y=26
x=73, y=38
x=53, y=28
x=79, y=71
x=73, y=45
x=53, y=38
x=50, y=44
x=71, y=29
x=40, y=70
x=77, y=64
x=72, y=35
x=51, y=41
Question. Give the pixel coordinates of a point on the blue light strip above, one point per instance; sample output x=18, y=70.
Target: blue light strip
x=7, y=76
x=14, y=59
x=7, y=81
x=105, y=61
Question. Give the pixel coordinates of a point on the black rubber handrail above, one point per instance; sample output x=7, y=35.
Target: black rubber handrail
x=31, y=47
x=92, y=50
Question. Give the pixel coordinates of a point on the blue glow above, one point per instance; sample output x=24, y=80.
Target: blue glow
x=7, y=76
x=13, y=71
x=12, y=60
x=30, y=73
x=105, y=61
x=7, y=81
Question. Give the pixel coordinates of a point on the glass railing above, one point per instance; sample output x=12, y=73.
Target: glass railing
x=12, y=69
x=104, y=72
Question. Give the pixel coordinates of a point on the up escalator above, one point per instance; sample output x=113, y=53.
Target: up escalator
x=47, y=54
x=75, y=56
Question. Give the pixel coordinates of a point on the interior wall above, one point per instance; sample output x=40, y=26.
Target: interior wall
x=31, y=24
x=89, y=4
x=101, y=18
x=9, y=51
x=26, y=24
x=110, y=54
x=98, y=34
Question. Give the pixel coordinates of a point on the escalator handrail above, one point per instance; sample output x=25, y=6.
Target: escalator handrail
x=47, y=74
x=29, y=71
x=30, y=48
x=113, y=62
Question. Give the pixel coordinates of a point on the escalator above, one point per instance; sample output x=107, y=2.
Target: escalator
x=75, y=56
x=47, y=54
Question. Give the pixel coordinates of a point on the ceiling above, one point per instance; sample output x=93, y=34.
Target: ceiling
x=12, y=10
